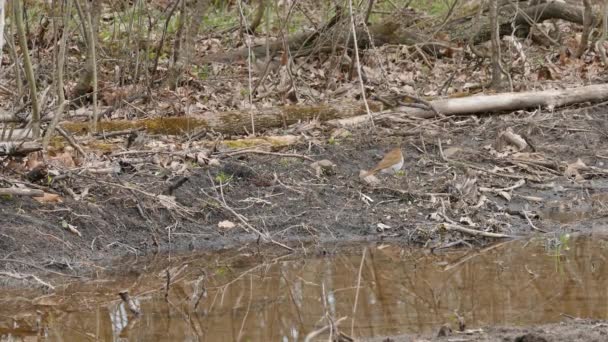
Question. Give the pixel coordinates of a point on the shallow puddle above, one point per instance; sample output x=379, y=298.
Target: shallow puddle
x=369, y=291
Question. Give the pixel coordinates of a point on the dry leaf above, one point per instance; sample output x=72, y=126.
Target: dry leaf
x=63, y=160
x=370, y=179
x=451, y=151
x=49, y=198
x=323, y=167
x=382, y=227
x=226, y=225
x=71, y=228
x=572, y=171
x=508, y=140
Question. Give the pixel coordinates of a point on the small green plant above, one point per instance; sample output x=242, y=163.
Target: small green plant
x=202, y=72
x=105, y=36
x=221, y=270
x=285, y=162
x=400, y=173
x=431, y=7
x=220, y=17
x=555, y=248
x=332, y=141
x=223, y=177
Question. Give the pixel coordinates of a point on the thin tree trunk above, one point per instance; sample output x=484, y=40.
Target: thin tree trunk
x=159, y=48
x=495, y=41
x=257, y=19
x=602, y=39
x=176, y=67
x=59, y=74
x=91, y=33
x=12, y=51
x=2, y=7
x=587, y=26
x=27, y=66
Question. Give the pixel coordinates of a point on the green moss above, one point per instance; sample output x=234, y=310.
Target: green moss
x=245, y=143
x=102, y=146
x=223, y=177
x=170, y=126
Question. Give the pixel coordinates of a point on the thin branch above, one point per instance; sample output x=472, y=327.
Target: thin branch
x=358, y=63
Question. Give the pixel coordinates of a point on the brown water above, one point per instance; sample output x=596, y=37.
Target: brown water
x=264, y=297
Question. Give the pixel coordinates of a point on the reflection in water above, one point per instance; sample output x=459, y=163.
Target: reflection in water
x=241, y=297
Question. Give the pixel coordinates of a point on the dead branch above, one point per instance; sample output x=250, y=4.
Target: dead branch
x=286, y=155
x=28, y=276
x=465, y=230
x=488, y=104
x=19, y=149
x=67, y=136
x=21, y=192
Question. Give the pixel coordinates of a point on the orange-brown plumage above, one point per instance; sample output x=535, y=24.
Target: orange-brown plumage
x=392, y=162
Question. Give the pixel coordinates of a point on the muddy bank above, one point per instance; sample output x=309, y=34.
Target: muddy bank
x=455, y=175
x=571, y=330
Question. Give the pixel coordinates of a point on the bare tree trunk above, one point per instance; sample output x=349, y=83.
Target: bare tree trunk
x=1, y=27
x=495, y=40
x=27, y=66
x=257, y=19
x=159, y=47
x=194, y=27
x=93, y=60
x=368, y=12
x=12, y=52
x=602, y=39
x=177, y=65
x=587, y=26
x=59, y=73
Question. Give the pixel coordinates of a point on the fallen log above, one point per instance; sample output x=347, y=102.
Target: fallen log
x=19, y=149
x=486, y=104
x=233, y=122
x=342, y=114
x=21, y=192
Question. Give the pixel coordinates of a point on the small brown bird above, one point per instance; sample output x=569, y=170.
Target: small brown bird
x=391, y=163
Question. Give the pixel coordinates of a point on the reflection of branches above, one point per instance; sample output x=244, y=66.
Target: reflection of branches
x=199, y=286
x=240, y=335
x=470, y=256
x=22, y=276
x=296, y=304
x=331, y=326
x=352, y=327
x=272, y=261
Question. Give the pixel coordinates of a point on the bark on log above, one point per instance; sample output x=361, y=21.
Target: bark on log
x=21, y=192
x=485, y=104
x=19, y=149
x=350, y=113
x=234, y=122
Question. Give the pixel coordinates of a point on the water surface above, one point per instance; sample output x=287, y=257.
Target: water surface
x=370, y=290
